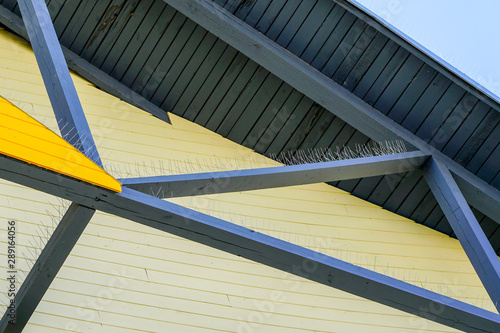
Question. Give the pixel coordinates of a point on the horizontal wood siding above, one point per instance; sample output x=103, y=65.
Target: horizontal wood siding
x=125, y=277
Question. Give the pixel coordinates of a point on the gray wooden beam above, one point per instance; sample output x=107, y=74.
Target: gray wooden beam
x=256, y=179
x=465, y=226
x=89, y=71
x=327, y=93
x=219, y=234
x=46, y=267
x=55, y=73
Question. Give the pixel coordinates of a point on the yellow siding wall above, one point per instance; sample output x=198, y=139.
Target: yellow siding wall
x=124, y=277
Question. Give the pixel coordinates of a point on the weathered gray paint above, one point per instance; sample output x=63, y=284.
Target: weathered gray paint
x=90, y=72
x=466, y=227
x=328, y=94
x=58, y=83
x=208, y=230
x=45, y=269
x=256, y=179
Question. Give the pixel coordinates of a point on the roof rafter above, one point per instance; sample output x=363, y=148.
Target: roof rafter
x=228, y=237
x=261, y=178
x=466, y=227
x=45, y=269
x=58, y=83
x=328, y=94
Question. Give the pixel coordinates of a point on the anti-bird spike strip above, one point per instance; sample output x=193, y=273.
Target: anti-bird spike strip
x=317, y=155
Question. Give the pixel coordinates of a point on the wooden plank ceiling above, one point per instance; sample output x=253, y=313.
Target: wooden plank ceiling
x=179, y=66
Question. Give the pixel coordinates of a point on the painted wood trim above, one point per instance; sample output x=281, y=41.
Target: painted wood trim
x=327, y=93
x=466, y=227
x=240, y=241
x=46, y=266
x=261, y=178
x=58, y=83
x=89, y=71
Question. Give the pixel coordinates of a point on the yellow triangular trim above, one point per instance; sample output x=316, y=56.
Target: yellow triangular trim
x=24, y=138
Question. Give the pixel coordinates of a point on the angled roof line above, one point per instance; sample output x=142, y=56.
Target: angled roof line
x=466, y=227
x=420, y=51
x=329, y=94
x=231, y=238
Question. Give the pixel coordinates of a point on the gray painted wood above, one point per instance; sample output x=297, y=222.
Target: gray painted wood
x=488, y=170
x=47, y=265
x=197, y=97
x=91, y=73
x=9, y=4
x=61, y=14
x=428, y=128
x=482, y=154
x=399, y=83
x=295, y=22
x=58, y=83
x=278, y=120
x=242, y=102
x=266, y=127
x=289, y=125
x=210, y=231
x=118, y=37
x=424, y=208
x=330, y=133
x=165, y=53
x=182, y=72
x=173, y=62
x=228, y=76
x=254, y=179
x=254, y=109
x=79, y=39
x=375, y=69
x=386, y=76
x=67, y=33
x=466, y=130
x=316, y=132
x=412, y=94
x=456, y=119
x=402, y=190
x=426, y=103
x=418, y=193
x=310, y=27
x=474, y=143
x=466, y=227
x=343, y=49
x=109, y=27
x=196, y=73
x=116, y=64
x=236, y=89
x=285, y=13
x=268, y=17
x=321, y=36
x=450, y=73
x=331, y=44
x=303, y=127
x=254, y=15
x=365, y=62
x=354, y=55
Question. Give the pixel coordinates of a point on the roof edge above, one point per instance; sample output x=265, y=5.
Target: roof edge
x=424, y=54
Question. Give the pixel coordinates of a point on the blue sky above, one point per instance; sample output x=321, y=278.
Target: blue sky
x=463, y=33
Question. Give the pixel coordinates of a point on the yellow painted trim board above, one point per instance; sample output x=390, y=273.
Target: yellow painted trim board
x=24, y=138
